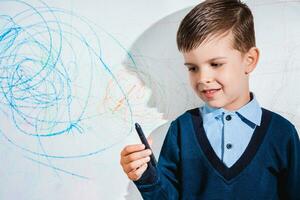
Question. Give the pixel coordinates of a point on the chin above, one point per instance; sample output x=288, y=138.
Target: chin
x=215, y=104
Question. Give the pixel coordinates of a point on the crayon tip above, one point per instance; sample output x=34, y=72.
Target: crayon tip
x=137, y=125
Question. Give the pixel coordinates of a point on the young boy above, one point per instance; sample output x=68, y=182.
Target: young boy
x=230, y=148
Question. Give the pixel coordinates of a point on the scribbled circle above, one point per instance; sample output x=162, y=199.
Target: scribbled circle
x=52, y=73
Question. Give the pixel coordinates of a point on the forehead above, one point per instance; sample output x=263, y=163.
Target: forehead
x=214, y=46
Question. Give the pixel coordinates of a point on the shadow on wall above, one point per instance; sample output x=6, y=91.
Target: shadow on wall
x=159, y=65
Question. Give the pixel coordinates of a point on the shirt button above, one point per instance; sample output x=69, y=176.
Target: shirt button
x=228, y=118
x=228, y=146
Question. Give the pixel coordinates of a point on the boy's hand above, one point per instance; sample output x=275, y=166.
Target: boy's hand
x=134, y=160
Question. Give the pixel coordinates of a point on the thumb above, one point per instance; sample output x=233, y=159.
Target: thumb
x=150, y=141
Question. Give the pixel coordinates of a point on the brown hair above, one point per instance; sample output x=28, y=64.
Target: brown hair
x=215, y=17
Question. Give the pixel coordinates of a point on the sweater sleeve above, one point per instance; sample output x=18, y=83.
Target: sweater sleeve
x=291, y=178
x=162, y=182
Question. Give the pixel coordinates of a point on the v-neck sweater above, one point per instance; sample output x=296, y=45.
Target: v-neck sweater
x=188, y=167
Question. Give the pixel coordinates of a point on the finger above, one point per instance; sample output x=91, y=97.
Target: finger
x=136, y=156
x=135, y=164
x=132, y=148
x=137, y=174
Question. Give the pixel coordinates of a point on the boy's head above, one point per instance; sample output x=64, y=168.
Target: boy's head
x=217, y=40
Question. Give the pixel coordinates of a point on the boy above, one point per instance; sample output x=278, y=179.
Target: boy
x=230, y=148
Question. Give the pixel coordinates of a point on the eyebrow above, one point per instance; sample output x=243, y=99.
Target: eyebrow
x=210, y=60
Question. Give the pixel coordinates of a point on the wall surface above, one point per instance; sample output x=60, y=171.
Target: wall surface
x=76, y=75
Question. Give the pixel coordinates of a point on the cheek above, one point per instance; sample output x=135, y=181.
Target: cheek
x=231, y=77
x=193, y=82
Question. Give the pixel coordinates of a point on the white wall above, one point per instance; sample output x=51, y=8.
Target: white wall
x=76, y=75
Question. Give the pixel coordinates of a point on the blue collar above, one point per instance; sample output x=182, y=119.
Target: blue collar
x=251, y=111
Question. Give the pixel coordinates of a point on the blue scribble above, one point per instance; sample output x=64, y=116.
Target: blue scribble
x=38, y=64
x=56, y=168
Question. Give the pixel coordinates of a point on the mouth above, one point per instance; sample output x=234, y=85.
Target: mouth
x=209, y=93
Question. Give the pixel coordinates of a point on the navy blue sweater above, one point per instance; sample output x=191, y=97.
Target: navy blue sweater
x=188, y=167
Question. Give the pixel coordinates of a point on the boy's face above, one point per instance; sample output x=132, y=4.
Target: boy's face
x=219, y=74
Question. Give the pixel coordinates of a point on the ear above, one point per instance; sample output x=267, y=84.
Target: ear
x=251, y=59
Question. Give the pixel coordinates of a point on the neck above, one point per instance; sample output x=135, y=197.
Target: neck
x=239, y=102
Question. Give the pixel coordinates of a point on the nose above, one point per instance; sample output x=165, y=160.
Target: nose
x=204, y=76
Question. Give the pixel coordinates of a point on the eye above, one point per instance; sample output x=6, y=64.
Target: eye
x=192, y=69
x=216, y=64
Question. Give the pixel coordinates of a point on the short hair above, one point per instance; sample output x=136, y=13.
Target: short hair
x=215, y=17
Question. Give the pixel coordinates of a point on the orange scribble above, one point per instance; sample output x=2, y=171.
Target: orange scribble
x=121, y=101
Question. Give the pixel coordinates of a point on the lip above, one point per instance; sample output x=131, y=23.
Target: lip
x=210, y=93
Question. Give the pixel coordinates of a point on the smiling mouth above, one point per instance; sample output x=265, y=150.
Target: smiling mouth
x=210, y=93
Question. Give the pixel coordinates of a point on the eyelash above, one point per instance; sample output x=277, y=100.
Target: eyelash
x=215, y=65
x=192, y=69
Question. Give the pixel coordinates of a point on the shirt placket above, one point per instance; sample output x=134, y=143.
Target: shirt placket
x=227, y=144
